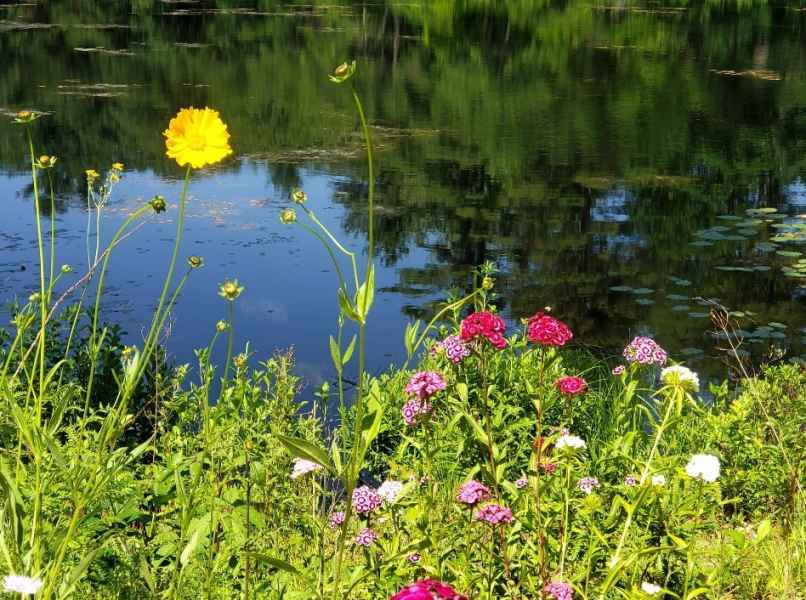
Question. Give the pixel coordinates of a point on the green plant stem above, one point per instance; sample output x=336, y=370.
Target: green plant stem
x=52, y=280
x=566, y=503
x=230, y=337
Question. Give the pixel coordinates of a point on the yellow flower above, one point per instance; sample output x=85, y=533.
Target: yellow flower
x=230, y=290
x=91, y=174
x=118, y=166
x=197, y=137
x=46, y=162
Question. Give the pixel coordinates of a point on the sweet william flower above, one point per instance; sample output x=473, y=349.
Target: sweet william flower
x=20, y=584
x=366, y=500
x=197, y=137
x=682, y=377
x=547, y=330
x=571, y=385
x=425, y=384
x=336, y=519
x=650, y=588
x=559, y=590
x=645, y=351
x=390, y=490
x=704, y=467
x=366, y=537
x=303, y=467
x=484, y=325
x=658, y=480
x=494, y=514
x=428, y=589
x=587, y=484
x=472, y=493
x=619, y=370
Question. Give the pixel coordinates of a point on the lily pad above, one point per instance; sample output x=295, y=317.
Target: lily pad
x=642, y=291
x=644, y=301
x=620, y=288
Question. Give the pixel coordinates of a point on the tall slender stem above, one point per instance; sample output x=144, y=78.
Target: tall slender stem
x=230, y=335
x=43, y=306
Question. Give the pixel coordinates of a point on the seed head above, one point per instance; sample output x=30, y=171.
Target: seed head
x=299, y=196
x=195, y=262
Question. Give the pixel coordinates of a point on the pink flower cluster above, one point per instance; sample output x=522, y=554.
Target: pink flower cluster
x=428, y=589
x=425, y=384
x=571, y=386
x=484, y=325
x=453, y=346
x=546, y=330
x=472, y=493
x=414, y=410
x=494, y=514
x=559, y=590
x=645, y=351
x=336, y=519
x=366, y=537
x=587, y=484
x=365, y=499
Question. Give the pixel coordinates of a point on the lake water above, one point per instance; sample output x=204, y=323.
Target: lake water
x=623, y=162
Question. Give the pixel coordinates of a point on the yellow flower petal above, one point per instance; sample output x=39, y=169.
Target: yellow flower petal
x=197, y=137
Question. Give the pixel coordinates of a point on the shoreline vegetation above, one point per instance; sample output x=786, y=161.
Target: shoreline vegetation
x=494, y=463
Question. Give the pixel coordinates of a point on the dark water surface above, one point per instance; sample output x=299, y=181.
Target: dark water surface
x=619, y=161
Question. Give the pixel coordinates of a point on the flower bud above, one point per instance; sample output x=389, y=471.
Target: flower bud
x=67, y=269
x=195, y=262
x=46, y=162
x=230, y=290
x=92, y=175
x=26, y=116
x=221, y=326
x=343, y=72
x=239, y=361
x=288, y=216
x=299, y=196
x=158, y=204
x=35, y=298
x=487, y=283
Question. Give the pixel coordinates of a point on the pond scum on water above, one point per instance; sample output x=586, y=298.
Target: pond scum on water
x=503, y=463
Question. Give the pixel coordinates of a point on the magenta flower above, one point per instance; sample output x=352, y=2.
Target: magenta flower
x=425, y=384
x=453, y=346
x=630, y=480
x=558, y=590
x=366, y=537
x=336, y=519
x=472, y=493
x=415, y=410
x=571, y=386
x=645, y=351
x=548, y=468
x=521, y=483
x=365, y=499
x=494, y=514
x=414, y=558
x=546, y=330
x=484, y=325
x=428, y=589
x=618, y=370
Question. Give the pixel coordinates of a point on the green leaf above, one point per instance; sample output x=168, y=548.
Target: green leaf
x=346, y=307
x=371, y=423
x=276, y=563
x=365, y=295
x=304, y=449
x=335, y=355
x=764, y=530
x=190, y=548
x=477, y=429
x=348, y=354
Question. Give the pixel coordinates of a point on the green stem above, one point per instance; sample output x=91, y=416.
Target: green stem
x=566, y=503
x=230, y=336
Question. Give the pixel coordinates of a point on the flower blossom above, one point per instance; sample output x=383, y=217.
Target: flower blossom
x=390, y=490
x=336, y=519
x=546, y=330
x=453, y=346
x=549, y=467
x=588, y=484
x=484, y=325
x=631, y=480
x=650, y=588
x=415, y=410
x=559, y=590
x=473, y=492
x=366, y=537
x=20, y=584
x=197, y=137
x=703, y=466
x=618, y=370
x=303, y=467
x=645, y=351
x=425, y=384
x=414, y=558
x=682, y=377
x=571, y=386
x=521, y=483
x=659, y=480
x=567, y=440
x=494, y=514
x=428, y=589
x=365, y=499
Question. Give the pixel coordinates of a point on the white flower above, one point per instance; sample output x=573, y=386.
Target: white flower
x=303, y=467
x=703, y=466
x=569, y=441
x=658, y=479
x=390, y=490
x=650, y=588
x=21, y=584
x=682, y=377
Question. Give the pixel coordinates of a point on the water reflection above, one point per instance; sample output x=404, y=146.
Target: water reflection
x=589, y=152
